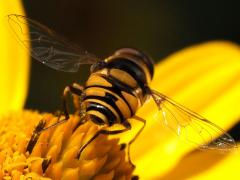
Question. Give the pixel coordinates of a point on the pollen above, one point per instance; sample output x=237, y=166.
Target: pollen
x=51, y=154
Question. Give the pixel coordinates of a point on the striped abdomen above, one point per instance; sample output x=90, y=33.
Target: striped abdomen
x=114, y=92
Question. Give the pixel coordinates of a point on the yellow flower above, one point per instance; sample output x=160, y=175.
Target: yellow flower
x=14, y=62
x=52, y=155
x=204, y=78
x=208, y=72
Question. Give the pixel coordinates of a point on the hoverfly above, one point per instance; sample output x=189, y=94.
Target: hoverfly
x=116, y=88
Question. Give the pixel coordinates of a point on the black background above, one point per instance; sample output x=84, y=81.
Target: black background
x=158, y=27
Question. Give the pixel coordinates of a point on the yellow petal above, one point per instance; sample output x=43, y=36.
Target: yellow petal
x=14, y=62
x=206, y=165
x=204, y=78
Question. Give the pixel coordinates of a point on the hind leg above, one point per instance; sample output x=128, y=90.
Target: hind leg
x=135, y=137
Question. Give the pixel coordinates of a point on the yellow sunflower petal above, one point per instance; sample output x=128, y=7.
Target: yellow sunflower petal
x=206, y=165
x=14, y=62
x=204, y=78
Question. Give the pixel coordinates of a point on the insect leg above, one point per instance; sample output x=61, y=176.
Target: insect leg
x=74, y=90
x=77, y=95
x=135, y=137
x=35, y=136
x=103, y=131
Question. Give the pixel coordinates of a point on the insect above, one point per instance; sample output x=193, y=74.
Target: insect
x=116, y=88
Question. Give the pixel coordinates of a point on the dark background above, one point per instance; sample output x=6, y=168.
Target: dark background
x=158, y=27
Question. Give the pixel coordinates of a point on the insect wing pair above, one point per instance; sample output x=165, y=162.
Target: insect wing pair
x=60, y=54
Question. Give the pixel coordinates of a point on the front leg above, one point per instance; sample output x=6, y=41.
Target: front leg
x=75, y=90
x=77, y=94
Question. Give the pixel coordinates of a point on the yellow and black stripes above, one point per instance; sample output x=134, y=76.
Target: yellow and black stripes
x=107, y=104
x=140, y=57
x=115, y=91
x=130, y=68
x=100, y=114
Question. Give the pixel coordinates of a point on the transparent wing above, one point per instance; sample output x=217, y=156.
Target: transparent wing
x=191, y=127
x=48, y=47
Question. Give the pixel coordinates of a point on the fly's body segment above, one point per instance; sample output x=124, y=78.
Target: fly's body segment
x=116, y=88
